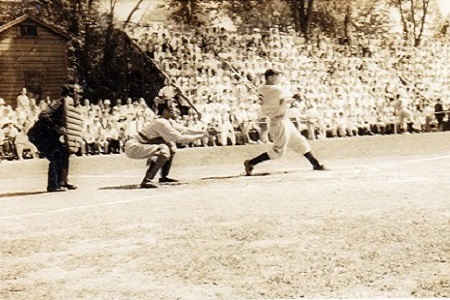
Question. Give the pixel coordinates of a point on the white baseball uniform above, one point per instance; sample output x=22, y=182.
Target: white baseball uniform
x=141, y=146
x=282, y=131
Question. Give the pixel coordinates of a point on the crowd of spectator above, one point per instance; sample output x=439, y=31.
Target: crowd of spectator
x=377, y=86
x=105, y=130
x=366, y=87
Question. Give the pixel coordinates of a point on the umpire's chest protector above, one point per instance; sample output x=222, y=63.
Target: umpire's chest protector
x=74, y=125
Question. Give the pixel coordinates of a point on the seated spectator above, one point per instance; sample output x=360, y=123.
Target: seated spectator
x=10, y=132
x=2, y=140
x=91, y=146
x=112, y=138
x=315, y=125
x=213, y=128
x=293, y=113
x=364, y=127
x=22, y=144
x=226, y=135
x=200, y=125
x=342, y=126
x=123, y=138
x=101, y=140
x=254, y=132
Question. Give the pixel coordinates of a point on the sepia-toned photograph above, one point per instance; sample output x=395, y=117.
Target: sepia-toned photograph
x=224, y=149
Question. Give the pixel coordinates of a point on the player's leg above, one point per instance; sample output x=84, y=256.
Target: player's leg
x=162, y=156
x=53, y=175
x=20, y=148
x=64, y=177
x=55, y=168
x=280, y=138
x=165, y=169
x=300, y=144
x=135, y=150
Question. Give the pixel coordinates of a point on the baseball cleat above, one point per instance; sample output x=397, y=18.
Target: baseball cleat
x=248, y=168
x=69, y=186
x=167, y=180
x=148, y=185
x=319, y=168
x=56, y=189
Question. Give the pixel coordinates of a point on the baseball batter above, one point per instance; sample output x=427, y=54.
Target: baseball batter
x=282, y=131
x=156, y=143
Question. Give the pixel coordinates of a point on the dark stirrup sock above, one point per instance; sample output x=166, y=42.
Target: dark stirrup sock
x=259, y=159
x=312, y=159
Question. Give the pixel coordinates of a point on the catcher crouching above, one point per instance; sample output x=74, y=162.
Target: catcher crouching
x=156, y=143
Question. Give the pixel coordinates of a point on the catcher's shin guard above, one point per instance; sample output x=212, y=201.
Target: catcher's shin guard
x=166, y=167
x=154, y=168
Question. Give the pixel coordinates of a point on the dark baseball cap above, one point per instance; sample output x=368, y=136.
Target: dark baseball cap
x=270, y=72
x=66, y=89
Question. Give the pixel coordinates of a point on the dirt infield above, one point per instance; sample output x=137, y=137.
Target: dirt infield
x=376, y=225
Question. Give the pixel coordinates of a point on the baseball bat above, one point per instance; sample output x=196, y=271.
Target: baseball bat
x=180, y=91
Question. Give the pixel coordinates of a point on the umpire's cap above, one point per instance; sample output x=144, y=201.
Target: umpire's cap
x=66, y=89
x=271, y=72
x=162, y=106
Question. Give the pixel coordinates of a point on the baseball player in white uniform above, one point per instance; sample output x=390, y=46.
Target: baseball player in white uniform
x=156, y=142
x=282, y=131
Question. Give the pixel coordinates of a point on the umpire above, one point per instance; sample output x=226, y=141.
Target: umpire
x=57, y=134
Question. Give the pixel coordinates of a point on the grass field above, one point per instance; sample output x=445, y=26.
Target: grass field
x=377, y=224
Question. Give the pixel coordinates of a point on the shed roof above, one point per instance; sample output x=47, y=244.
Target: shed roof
x=26, y=18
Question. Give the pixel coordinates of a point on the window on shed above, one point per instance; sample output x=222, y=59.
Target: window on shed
x=28, y=30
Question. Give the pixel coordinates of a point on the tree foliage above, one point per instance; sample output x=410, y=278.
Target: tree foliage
x=261, y=14
x=249, y=13
x=415, y=16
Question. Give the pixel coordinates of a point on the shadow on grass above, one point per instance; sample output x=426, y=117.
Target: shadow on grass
x=137, y=187
x=18, y=194
x=121, y=187
x=243, y=175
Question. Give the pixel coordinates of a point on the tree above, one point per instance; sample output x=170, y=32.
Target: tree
x=372, y=17
x=262, y=14
x=186, y=12
x=302, y=11
x=135, y=9
x=413, y=15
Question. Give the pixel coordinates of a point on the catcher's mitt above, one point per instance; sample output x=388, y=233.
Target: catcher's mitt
x=212, y=131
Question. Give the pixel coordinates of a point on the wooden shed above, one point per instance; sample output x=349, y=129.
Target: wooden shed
x=32, y=55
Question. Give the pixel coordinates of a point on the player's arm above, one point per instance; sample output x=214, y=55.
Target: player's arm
x=185, y=130
x=286, y=96
x=173, y=134
x=287, y=100
x=189, y=138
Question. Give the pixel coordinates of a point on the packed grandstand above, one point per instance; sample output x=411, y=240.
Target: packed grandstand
x=370, y=87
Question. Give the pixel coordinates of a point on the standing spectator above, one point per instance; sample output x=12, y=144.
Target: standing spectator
x=439, y=114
